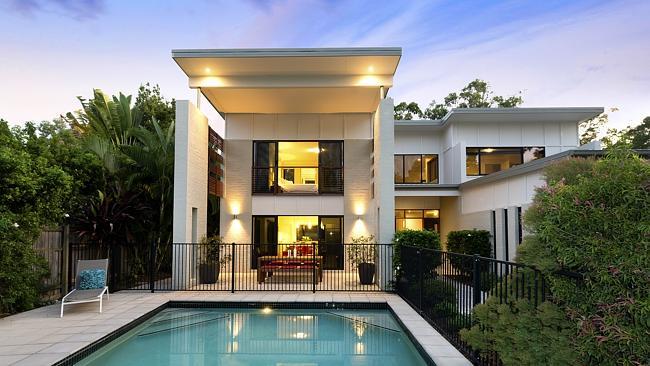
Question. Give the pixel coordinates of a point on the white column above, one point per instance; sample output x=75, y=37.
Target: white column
x=190, y=189
x=384, y=150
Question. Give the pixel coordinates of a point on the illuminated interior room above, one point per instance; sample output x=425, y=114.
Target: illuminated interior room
x=290, y=236
x=298, y=166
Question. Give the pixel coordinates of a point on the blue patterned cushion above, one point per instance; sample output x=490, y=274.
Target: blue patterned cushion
x=91, y=279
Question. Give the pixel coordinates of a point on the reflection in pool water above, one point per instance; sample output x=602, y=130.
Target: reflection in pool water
x=262, y=337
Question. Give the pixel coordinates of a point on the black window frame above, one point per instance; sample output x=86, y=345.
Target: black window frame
x=422, y=218
x=275, y=188
x=340, y=265
x=437, y=157
x=522, y=150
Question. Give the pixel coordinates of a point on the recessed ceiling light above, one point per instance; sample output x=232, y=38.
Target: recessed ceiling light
x=371, y=68
x=207, y=69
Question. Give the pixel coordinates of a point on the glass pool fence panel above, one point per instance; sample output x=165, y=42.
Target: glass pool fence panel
x=444, y=287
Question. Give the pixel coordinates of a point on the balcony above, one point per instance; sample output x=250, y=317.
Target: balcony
x=302, y=180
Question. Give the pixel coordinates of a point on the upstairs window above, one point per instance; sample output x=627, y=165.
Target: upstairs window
x=302, y=167
x=416, y=169
x=487, y=160
x=417, y=219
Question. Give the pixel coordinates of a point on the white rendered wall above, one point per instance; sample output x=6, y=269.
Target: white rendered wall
x=354, y=129
x=513, y=191
x=384, y=170
x=190, y=184
x=556, y=137
x=420, y=140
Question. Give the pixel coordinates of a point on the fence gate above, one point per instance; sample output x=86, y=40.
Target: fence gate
x=50, y=245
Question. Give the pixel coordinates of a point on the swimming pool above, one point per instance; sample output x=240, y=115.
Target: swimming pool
x=263, y=336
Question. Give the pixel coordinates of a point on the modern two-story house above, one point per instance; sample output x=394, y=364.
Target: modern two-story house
x=312, y=154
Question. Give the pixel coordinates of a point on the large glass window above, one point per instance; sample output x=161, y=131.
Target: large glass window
x=417, y=219
x=305, y=167
x=487, y=160
x=286, y=236
x=416, y=169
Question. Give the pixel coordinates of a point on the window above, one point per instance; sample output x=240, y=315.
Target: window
x=417, y=219
x=305, y=167
x=299, y=235
x=487, y=160
x=416, y=169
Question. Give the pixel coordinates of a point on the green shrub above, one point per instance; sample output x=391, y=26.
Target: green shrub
x=33, y=194
x=468, y=242
x=522, y=334
x=592, y=218
x=408, y=265
x=438, y=298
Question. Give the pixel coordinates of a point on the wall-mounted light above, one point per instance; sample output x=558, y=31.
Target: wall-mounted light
x=235, y=217
x=359, y=218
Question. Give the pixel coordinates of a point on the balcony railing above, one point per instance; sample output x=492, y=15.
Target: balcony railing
x=297, y=180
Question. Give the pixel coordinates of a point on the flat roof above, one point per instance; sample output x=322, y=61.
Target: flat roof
x=291, y=80
x=530, y=115
x=289, y=52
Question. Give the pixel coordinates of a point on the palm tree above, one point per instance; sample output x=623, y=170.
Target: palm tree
x=106, y=125
x=151, y=163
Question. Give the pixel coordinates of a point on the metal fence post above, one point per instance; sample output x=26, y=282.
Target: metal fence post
x=420, y=282
x=152, y=266
x=476, y=281
x=232, y=268
x=65, y=254
x=313, y=270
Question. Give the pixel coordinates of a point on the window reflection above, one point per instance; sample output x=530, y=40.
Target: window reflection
x=416, y=168
x=487, y=160
x=417, y=219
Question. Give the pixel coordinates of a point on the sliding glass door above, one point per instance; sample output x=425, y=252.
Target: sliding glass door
x=283, y=236
x=265, y=237
x=330, y=241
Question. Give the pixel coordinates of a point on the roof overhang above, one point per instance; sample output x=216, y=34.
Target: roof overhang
x=521, y=115
x=295, y=80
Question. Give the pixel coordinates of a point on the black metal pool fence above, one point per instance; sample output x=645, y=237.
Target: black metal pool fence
x=442, y=286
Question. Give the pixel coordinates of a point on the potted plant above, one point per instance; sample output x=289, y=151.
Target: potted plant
x=361, y=256
x=211, y=259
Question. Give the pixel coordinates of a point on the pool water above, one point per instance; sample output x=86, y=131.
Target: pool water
x=278, y=337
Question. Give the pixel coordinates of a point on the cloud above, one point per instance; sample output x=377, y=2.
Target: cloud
x=77, y=9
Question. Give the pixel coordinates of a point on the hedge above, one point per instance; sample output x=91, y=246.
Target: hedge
x=591, y=218
x=468, y=242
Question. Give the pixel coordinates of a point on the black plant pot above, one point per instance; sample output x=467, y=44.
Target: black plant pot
x=366, y=273
x=208, y=273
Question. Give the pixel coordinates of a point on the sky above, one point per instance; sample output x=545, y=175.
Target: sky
x=557, y=53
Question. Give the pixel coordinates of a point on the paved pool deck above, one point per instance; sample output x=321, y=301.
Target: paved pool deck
x=40, y=337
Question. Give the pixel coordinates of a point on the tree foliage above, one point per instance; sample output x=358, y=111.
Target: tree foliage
x=591, y=129
x=591, y=218
x=138, y=161
x=155, y=107
x=476, y=94
x=406, y=111
x=633, y=137
x=33, y=193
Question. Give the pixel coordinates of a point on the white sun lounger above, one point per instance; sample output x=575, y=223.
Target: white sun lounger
x=77, y=295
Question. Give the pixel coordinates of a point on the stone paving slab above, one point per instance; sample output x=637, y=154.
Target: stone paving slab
x=40, y=337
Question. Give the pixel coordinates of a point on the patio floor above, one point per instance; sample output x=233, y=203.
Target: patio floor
x=40, y=337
